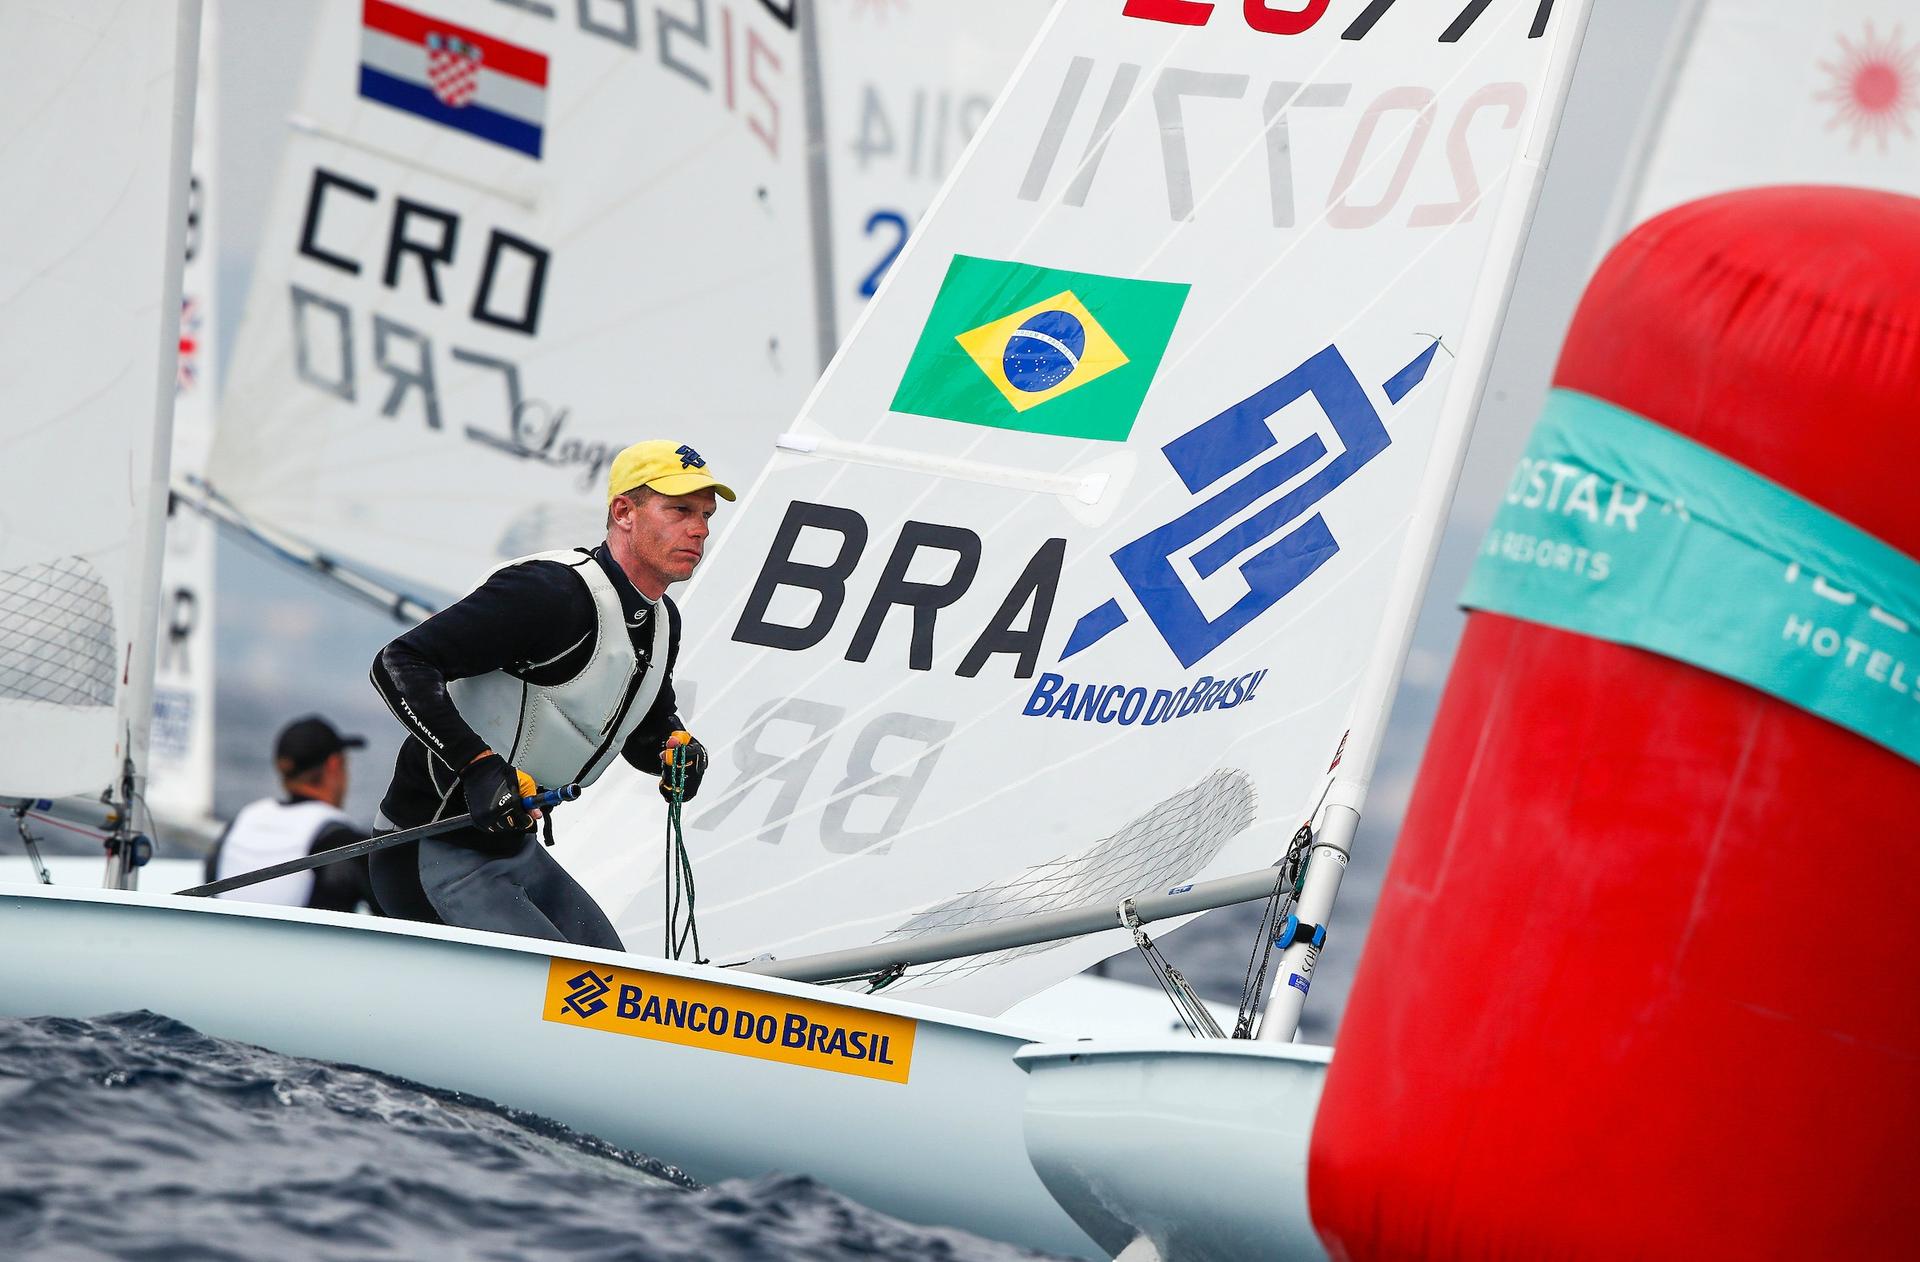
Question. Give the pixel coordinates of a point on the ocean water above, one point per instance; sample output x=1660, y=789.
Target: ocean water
x=133, y=1136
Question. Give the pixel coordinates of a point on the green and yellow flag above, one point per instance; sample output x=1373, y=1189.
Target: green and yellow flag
x=1039, y=349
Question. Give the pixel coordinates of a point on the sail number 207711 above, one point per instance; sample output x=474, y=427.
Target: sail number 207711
x=1301, y=16
x=1402, y=117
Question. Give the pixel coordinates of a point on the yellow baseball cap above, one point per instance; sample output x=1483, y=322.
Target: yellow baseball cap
x=666, y=466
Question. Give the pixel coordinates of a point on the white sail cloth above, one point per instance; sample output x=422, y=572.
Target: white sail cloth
x=603, y=280
x=1085, y=571
x=95, y=102
x=906, y=86
x=180, y=771
x=1768, y=93
x=506, y=242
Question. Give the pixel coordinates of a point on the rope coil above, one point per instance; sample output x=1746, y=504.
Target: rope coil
x=680, y=928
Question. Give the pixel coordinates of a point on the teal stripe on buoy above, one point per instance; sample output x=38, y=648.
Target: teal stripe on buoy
x=1616, y=527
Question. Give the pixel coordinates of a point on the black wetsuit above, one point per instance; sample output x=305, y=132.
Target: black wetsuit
x=535, y=612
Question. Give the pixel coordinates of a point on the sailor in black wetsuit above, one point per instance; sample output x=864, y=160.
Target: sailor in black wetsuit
x=555, y=665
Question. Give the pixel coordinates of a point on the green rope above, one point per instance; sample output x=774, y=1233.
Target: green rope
x=678, y=870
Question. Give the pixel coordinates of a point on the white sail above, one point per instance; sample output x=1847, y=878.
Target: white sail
x=1087, y=568
x=906, y=83
x=95, y=100
x=507, y=241
x=1770, y=93
x=180, y=761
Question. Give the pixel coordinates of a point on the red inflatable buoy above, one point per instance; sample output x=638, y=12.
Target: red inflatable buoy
x=1644, y=979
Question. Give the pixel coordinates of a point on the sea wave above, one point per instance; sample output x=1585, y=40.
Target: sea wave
x=134, y=1136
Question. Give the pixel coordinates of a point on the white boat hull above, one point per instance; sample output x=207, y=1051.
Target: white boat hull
x=86, y=871
x=476, y=1012
x=1196, y=1148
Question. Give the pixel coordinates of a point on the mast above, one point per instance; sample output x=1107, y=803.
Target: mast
x=813, y=107
x=154, y=453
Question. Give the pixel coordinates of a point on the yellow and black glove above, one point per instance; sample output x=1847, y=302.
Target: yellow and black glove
x=682, y=749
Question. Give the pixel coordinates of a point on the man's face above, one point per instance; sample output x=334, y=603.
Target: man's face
x=665, y=536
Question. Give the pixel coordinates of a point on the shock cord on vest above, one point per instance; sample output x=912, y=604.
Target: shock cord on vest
x=678, y=873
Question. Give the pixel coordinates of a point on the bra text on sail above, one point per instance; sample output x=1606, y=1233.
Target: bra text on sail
x=1017, y=628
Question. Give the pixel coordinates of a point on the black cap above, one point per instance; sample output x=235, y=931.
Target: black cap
x=307, y=742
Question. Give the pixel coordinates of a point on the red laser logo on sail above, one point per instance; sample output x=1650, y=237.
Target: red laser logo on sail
x=1875, y=87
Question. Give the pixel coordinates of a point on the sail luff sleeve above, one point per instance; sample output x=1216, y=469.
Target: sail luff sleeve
x=530, y=613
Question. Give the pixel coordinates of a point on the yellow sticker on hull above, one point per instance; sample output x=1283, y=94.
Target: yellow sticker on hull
x=730, y=1019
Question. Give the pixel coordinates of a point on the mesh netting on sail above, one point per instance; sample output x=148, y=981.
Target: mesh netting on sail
x=56, y=634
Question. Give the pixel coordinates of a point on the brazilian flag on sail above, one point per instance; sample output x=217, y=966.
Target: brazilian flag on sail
x=1039, y=349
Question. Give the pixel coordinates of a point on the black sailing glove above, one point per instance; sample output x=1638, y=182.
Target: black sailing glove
x=682, y=745
x=493, y=796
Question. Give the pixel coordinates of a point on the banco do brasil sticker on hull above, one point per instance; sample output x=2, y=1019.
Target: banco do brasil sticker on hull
x=1039, y=349
x=731, y=1019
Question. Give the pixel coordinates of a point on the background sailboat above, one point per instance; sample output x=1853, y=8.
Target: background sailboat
x=457, y=322
x=99, y=108
x=906, y=84
x=485, y=268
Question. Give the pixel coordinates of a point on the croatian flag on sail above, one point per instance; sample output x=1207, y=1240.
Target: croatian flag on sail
x=453, y=75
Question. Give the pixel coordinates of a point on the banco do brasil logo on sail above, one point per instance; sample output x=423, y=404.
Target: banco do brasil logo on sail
x=1039, y=349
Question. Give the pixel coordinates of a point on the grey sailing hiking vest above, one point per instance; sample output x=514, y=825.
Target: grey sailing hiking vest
x=571, y=731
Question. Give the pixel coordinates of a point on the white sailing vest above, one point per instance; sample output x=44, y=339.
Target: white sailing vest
x=568, y=733
x=268, y=832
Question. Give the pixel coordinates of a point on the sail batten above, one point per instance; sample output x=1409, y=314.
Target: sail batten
x=1086, y=489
